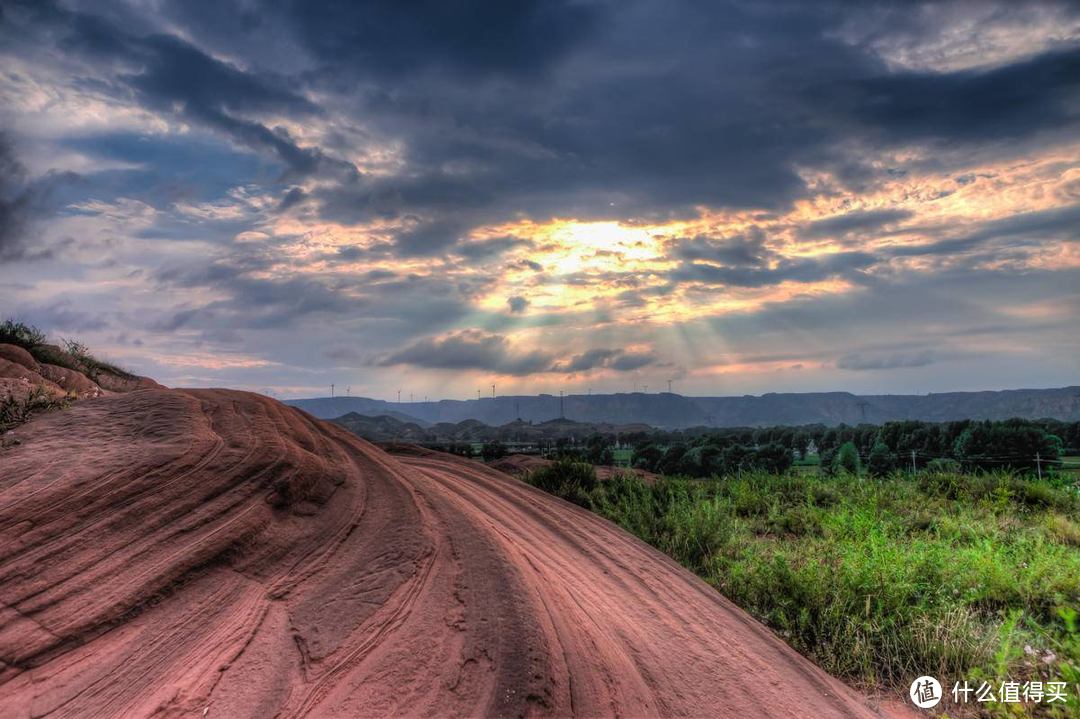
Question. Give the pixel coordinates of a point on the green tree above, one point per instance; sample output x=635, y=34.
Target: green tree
x=774, y=458
x=847, y=459
x=880, y=461
x=493, y=450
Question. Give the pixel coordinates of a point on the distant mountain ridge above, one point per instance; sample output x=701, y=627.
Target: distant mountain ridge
x=672, y=411
x=384, y=428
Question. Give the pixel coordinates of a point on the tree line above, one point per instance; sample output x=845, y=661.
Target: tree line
x=1015, y=444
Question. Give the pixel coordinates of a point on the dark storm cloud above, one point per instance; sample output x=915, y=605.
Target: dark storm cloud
x=626, y=361
x=470, y=349
x=175, y=76
x=14, y=201
x=291, y=199
x=601, y=358
x=1026, y=229
x=748, y=250
x=477, y=349
x=589, y=360
x=733, y=101
x=810, y=269
x=867, y=221
x=607, y=358
x=22, y=201
x=474, y=37
x=485, y=249
x=384, y=304
x=1017, y=100
x=485, y=113
x=584, y=109
x=170, y=75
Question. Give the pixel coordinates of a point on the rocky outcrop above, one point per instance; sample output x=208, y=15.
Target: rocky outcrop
x=218, y=554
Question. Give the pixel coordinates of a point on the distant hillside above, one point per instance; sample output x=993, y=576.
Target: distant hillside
x=387, y=429
x=331, y=407
x=671, y=411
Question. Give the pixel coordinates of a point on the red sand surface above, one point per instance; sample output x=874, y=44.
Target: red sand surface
x=191, y=553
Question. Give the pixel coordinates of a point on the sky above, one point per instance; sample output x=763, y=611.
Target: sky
x=433, y=197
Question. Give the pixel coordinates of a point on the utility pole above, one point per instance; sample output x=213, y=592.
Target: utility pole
x=913, y=469
x=669, y=386
x=477, y=395
x=1038, y=465
x=399, y=396
x=348, y=390
x=331, y=390
x=493, y=391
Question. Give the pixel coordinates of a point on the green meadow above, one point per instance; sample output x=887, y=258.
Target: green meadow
x=879, y=580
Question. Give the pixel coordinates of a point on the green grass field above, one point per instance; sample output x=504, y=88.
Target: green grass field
x=959, y=576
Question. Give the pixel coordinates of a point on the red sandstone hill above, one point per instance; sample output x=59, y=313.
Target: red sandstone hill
x=21, y=373
x=216, y=553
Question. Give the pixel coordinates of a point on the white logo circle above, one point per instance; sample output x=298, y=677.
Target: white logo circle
x=925, y=692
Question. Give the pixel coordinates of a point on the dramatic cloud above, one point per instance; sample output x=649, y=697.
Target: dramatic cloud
x=892, y=361
x=280, y=195
x=474, y=349
x=14, y=200
x=471, y=349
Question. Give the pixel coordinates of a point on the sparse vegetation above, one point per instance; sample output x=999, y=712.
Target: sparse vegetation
x=89, y=365
x=879, y=580
x=13, y=332
x=74, y=355
x=15, y=411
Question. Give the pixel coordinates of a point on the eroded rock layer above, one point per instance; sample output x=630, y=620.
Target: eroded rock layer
x=181, y=553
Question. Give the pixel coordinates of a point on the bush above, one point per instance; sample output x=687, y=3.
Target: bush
x=24, y=335
x=493, y=450
x=573, y=481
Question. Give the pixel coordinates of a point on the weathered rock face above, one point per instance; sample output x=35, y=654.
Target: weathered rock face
x=216, y=553
x=115, y=383
x=21, y=374
x=19, y=356
x=18, y=381
x=75, y=382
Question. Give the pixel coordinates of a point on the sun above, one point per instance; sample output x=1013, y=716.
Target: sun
x=595, y=247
